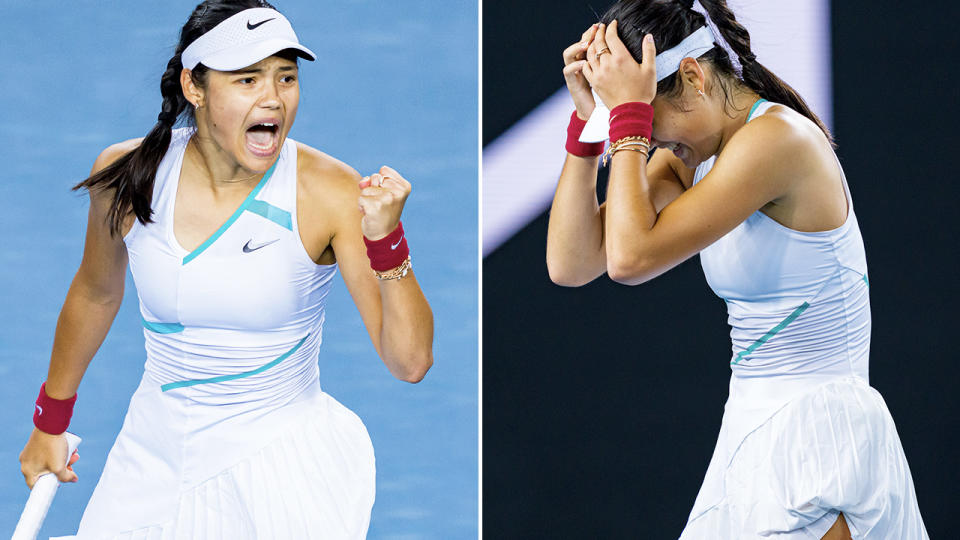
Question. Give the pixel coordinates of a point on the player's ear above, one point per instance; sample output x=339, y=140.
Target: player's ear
x=191, y=90
x=691, y=74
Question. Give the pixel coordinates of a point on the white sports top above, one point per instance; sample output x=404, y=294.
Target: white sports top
x=798, y=302
x=239, y=318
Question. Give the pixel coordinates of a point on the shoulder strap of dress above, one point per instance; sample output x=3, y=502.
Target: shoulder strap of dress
x=759, y=107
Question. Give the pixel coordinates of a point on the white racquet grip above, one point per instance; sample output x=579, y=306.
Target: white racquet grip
x=40, y=498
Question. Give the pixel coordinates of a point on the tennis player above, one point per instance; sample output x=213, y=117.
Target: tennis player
x=746, y=176
x=233, y=233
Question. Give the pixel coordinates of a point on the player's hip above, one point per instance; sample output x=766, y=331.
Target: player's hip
x=169, y=458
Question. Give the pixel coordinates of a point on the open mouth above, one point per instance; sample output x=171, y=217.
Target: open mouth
x=263, y=138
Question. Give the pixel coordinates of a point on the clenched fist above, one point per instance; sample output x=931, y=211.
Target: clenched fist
x=382, y=196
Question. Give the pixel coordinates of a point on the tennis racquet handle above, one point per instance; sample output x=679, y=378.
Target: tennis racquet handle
x=40, y=498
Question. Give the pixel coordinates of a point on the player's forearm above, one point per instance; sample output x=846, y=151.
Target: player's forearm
x=406, y=336
x=631, y=214
x=82, y=326
x=575, y=253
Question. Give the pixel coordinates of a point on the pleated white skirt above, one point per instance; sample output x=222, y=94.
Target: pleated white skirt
x=832, y=449
x=302, y=470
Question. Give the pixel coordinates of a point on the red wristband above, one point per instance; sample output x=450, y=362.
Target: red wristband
x=389, y=251
x=52, y=415
x=574, y=146
x=630, y=120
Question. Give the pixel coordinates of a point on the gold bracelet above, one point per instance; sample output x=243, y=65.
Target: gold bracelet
x=638, y=138
x=395, y=273
x=633, y=142
x=619, y=144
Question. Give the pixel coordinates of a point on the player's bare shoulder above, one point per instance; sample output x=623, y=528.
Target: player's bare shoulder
x=114, y=152
x=780, y=142
x=325, y=182
x=781, y=124
x=101, y=200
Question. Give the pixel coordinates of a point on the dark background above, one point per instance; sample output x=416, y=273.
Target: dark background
x=602, y=404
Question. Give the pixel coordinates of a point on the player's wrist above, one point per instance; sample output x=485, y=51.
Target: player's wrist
x=389, y=252
x=50, y=415
x=574, y=146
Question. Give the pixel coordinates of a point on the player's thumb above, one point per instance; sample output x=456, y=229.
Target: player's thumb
x=66, y=475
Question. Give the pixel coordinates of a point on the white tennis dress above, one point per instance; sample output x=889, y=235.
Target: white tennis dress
x=229, y=435
x=804, y=437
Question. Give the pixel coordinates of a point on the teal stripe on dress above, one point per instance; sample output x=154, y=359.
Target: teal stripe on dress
x=754, y=108
x=162, y=327
x=236, y=214
x=223, y=378
x=865, y=280
x=277, y=215
x=764, y=338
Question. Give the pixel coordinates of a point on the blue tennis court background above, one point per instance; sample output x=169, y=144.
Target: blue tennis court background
x=395, y=83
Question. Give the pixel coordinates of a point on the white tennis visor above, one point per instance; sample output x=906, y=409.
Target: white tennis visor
x=243, y=40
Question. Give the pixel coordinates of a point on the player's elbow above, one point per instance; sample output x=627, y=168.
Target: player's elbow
x=627, y=268
x=416, y=370
x=98, y=289
x=566, y=279
x=565, y=274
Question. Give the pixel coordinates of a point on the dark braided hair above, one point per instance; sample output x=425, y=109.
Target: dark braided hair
x=670, y=21
x=131, y=177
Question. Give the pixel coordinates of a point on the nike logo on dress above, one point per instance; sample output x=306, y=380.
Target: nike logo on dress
x=252, y=26
x=40, y=409
x=394, y=246
x=248, y=248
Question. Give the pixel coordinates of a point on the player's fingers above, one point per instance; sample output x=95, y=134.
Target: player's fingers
x=395, y=183
x=587, y=71
x=75, y=457
x=578, y=50
x=31, y=471
x=600, y=42
x=371, y=192
x=573, y=68
x=392, y=184
x=575, y=52
x=371, y=203
x=29, y=476
x=393, y=179
x=613, y=40
x=649, y=53
x=589, y=32
x=364, y=182
x=32, y=474
x=66, y=475
x=391, y=172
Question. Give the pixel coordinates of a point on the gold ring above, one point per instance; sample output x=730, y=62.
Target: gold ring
x=601, y=51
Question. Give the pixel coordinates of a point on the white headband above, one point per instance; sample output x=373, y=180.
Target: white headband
x=718, y=37
x=243, y=40
x=692, y=46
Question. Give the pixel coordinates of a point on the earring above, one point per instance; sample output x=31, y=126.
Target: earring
x=699, y=91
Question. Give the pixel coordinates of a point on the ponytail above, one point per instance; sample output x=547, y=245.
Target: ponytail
x=132, y=176
x=758, y=78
